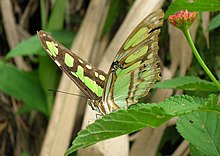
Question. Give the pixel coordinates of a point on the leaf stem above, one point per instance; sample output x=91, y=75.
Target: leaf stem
x=199, y=59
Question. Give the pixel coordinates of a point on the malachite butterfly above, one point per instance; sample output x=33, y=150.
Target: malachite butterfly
x=132, y=74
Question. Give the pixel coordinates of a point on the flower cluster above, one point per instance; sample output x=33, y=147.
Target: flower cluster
x=182, y=19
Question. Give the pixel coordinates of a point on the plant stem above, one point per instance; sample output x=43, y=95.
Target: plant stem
x=199, y=59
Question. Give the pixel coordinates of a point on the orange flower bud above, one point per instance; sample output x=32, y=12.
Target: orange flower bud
x=182, y=19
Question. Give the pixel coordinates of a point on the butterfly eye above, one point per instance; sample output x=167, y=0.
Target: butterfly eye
x=116, y=65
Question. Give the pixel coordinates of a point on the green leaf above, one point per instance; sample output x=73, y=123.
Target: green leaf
x=138, y=117
x=56, y=20
x=32, y=46
x=116, y=124
x=49, y=75
x=190, y=83
x=214, y=23
x=26, y=47
x=201, y=129
x=198, y=5
x=194, y=151
x=113, y=12
x=43, y=14
x=24, y=86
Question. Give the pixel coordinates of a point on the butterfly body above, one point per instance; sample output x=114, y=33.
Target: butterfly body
x=132, y=74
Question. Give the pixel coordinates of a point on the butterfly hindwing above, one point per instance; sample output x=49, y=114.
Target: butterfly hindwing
x=89, y=79
x=134, y=69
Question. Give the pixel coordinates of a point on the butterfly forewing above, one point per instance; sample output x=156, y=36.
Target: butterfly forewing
x=89, y=79
x=134, y=69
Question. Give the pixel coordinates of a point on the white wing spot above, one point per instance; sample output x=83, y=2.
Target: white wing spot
x=48, y=51
x=48, y=36
x=150, y=56
x=102, y=77
x=88, y=66
x=81, y=61
x=153, y=45
x=44, y=35
x=57, y=63
x=96, y=74
x=154, y=18
x=156, y=22
x=152, y=38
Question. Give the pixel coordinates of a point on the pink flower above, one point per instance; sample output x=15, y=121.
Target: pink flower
x=182, y=19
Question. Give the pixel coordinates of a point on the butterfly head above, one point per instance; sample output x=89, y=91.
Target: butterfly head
x=97, y=105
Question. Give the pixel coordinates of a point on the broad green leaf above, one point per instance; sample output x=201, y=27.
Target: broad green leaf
x=43, y=14
x=194, y=151
x=198, y=5
x=118, y=123
x=138, y=117
x=214, y=23
x=202, y=130
x=24, y=86
x=56, y=20
x=49, y=75
x=187, y=83
x=29, y=46
x=32, y=46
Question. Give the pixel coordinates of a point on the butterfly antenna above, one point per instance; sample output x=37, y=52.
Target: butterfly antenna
x=58, y=91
